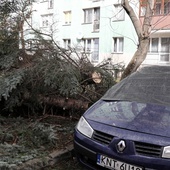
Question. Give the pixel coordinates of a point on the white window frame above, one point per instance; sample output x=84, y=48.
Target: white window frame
x=87, y=45
x=91, y=46
x=96, y=19
x=154, y=45
x=95, y=53
x=165, y=50
x=46, y=20
x=160, y=50
x=88, y=15
x=67, y=17
x=119, y=13
x=67, y=43
x=50, y=4
x=118, y=44
x=92, y=16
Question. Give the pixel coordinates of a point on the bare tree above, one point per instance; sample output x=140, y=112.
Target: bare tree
x=143, y=32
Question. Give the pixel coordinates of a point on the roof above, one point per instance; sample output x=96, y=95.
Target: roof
x=150, y=84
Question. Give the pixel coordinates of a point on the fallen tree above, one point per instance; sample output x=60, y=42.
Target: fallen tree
x=44, y=74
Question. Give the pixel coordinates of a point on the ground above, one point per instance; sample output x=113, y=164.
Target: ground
x=23, y=140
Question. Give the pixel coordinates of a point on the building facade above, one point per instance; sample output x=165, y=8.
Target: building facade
x=101, y=29
x=159, y=50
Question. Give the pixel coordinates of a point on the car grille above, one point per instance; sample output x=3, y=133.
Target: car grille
x=148, y=149
x=102, y=137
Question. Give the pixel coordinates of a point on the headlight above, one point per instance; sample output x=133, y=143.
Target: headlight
x=84, y=128
x=166, y=152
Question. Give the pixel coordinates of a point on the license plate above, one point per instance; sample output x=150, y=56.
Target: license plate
x=113, y=164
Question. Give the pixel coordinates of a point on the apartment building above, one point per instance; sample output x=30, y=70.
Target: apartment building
x=101, y=29
x=159, y=50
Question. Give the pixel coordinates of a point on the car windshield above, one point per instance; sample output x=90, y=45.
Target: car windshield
x=148, y=118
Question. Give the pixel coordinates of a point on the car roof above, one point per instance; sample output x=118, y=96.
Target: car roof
x=150, y=84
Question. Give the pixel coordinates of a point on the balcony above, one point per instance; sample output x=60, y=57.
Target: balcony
x=157, y=58
x=159, y=22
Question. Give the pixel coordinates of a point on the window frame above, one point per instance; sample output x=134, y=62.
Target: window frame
x=88, y=15
x=50, y=4
x=161, y=10
x=166, y=8
x=165, y=50
x=91, y=47
x=95, y=53
x=118, y=45
x=154, y=44
x=96, y=19
x=119, y=13
x=67, y=17
x=162, y=51
x=48, y=20
x=66, y=43
x=92, y=16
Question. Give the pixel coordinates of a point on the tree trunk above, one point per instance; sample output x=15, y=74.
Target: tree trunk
x=65, y=103
x=21, y=25
x=138, y=58
x=143, y=33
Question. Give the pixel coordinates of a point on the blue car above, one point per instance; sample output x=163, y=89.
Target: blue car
x=129, y=127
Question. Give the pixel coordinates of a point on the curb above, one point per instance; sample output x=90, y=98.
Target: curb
x=50, y=160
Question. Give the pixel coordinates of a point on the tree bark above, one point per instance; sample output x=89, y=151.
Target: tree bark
x=137, y=59
x=143, y=33
x=65, y=103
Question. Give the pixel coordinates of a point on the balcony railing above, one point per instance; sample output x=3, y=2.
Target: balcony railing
x=157, y=58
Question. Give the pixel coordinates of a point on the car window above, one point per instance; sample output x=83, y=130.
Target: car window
x=141, y=117
x=125, y=111
x=122, y=110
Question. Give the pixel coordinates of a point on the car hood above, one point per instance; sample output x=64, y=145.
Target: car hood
x=149, y=85
x=137, y=125
x=103, y=113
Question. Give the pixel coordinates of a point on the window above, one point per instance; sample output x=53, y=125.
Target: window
x=67, y=17
x=46, y=20
x=67, y=43
x=92, y=15
x=157, y=7
x=165, y=49
x=161, y=47
x=118, y=44
x=88, y=15
x=166, y=7
x=162, y=7
x=95, y=54
x=119, y=13
x=50, y=3
x=87, y=45
x=165, y=42
x=96, y=24
x=92, y=46
x=154, y=45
